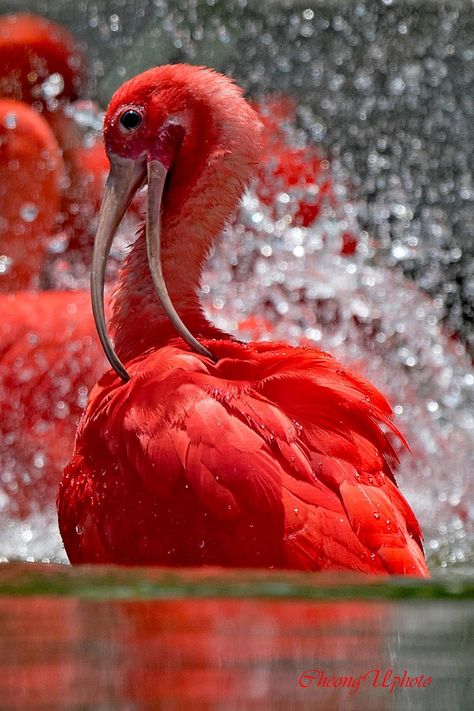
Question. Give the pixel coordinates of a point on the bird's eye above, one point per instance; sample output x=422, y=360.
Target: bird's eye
x=130, y=120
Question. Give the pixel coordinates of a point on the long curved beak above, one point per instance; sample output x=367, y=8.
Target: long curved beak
x=125, y=178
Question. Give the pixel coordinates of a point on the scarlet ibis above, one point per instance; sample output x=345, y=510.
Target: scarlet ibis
x=199, y=449
x=50, y=358
x=40, y=61
x=300, y=173
x=43, y=65
x=86, y=168
x=32, y=176
x=49, y=353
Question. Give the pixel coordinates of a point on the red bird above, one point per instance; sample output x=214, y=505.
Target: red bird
x=39, y=60
x=42, y=64
x=50, y=358
x=49, y=352
x=204, y=450
x=32, y=175
x=301, y=172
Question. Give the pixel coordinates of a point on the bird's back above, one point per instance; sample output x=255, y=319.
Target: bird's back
x=273, y=457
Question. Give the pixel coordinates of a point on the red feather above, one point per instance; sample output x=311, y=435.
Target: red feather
x=50, y=358
x=245, y=466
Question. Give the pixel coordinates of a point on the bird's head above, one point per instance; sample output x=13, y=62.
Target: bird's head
x=39, y=61
x=188, y=134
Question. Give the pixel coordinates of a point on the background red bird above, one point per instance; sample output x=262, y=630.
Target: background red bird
x=50, y=188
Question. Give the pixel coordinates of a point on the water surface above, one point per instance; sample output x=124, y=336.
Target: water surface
x=116, y=638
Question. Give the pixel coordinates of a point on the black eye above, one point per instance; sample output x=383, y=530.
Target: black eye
x=130, y=120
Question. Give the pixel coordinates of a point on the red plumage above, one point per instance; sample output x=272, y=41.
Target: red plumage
x=272, y=457
x=50, y=358
x=32, y=49
x=41, y=64
x=31, y=175
x=49, y=352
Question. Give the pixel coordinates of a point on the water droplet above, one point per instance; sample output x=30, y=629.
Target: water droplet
x=39, y=461
x=10, y=120
x=29, y=212
x=5, y=264
x=52, y=86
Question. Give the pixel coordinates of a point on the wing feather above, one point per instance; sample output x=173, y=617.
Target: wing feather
x=273, y=438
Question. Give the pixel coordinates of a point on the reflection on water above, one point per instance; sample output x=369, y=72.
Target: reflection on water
x=141, y=639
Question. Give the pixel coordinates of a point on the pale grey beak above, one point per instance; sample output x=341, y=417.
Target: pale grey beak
x=125, y=178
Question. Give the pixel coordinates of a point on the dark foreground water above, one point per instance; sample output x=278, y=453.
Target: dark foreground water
x=113, y=638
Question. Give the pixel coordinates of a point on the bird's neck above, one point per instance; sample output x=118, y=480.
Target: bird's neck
x=202, y=194
x=189, y=228
x=138, y=320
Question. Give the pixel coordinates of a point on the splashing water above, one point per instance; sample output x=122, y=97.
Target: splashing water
x=284, y=283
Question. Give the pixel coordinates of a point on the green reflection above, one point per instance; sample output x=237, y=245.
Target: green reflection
x=116, y=583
